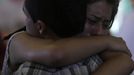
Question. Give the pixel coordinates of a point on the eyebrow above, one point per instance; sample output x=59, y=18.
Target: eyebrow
x=98, y=17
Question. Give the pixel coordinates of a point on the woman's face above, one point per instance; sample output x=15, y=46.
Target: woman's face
x=98, y=18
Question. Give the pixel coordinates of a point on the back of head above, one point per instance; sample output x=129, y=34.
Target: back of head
x=64, y=17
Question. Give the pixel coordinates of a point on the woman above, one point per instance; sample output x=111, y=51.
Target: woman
x=75, y=55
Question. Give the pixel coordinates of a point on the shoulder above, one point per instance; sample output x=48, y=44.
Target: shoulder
x=18, y=35
x=23, y=42
x=16, y=39
x=24, y=38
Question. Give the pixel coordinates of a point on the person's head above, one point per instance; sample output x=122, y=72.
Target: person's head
x=64, y=17
x=100, y=16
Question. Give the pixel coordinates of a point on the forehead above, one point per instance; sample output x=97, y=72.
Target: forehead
x=100, y=9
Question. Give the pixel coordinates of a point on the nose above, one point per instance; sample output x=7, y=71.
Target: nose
x=98, y=30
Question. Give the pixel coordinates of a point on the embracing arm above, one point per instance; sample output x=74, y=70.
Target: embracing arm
x=50, y=52
x=115, y=63
x=53, y=52
x=58, y=53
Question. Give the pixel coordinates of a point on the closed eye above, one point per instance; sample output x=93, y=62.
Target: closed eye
x=92, y=21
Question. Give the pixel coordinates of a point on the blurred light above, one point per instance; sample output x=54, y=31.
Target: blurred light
x=115, y=28
x=118, y=19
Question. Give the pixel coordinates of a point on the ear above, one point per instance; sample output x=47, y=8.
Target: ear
x=41, y=26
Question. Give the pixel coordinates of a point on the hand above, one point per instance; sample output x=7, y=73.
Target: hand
x=118, y=44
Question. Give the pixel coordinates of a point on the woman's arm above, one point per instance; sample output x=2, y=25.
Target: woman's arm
x=115, y=63
x=52, y=52
x=56, y=53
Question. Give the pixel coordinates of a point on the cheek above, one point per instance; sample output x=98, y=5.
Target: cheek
x=91, y=29
x=95, y=30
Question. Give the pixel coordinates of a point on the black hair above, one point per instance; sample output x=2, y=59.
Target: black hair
x=65, y=17
x=114, y=3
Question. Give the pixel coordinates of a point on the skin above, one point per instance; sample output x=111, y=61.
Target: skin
x=97, y=18
x=52, y=52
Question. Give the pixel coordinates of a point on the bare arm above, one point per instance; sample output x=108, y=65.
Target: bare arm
x=57, y=53
x=48, y=52
x=115, y=63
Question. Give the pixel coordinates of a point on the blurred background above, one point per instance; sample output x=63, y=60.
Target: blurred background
x=11, y=15
x=12, y=18
x=123, y=25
